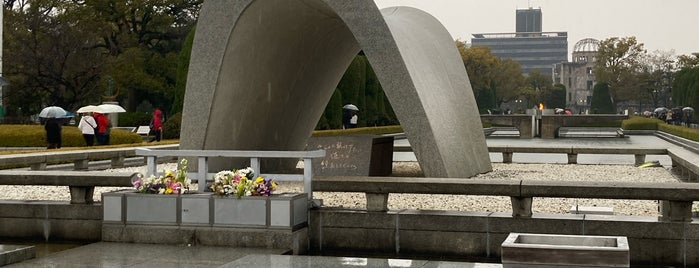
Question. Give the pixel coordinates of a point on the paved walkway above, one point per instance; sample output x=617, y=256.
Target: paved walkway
x=104, y=254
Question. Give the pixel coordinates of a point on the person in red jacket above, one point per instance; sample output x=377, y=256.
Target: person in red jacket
x=103, y=127
x=156, y=125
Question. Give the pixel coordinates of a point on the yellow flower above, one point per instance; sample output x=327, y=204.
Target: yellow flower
x=259, y=180
x=168, y=191
x=169, y=173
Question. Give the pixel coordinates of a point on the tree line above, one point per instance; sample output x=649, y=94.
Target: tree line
x=634, y=77
x=496, y=81
x=74, y=53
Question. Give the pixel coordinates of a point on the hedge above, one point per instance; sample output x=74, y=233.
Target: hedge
x=643, y=123
x=35, y=136
x=640, y=123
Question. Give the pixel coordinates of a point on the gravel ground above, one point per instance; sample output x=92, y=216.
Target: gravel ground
x=561, y=172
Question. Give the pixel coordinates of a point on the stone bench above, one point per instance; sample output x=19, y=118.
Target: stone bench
x=592, y=210
x=80, y=183
x=573, y=151
x=676, y=198
x=79, y=158
x=685, y=162
x=590, y=132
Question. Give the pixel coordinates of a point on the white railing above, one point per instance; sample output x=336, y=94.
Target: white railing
x=202, y=175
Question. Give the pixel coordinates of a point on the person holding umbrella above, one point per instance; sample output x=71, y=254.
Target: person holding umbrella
x=54, y=116
x=349, y=116
x=87, y=127
x=53, y=133
x=103, y=127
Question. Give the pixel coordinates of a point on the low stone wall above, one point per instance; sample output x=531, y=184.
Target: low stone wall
x=479, y=235
x=50, y=221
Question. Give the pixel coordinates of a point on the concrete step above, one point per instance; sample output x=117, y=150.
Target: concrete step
x=10, y=254
x=590, y=132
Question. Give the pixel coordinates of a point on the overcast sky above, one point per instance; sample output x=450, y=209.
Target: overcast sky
x=658, y=24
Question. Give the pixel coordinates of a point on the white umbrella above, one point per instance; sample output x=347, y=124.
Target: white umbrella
x=88, y=109
x=110, y=108
x=53, y=112
x=688, y=109
x=660, y=110
x=350, y=107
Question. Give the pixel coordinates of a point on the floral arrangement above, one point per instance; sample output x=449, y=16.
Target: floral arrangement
x=241, y=183
x=173, y=182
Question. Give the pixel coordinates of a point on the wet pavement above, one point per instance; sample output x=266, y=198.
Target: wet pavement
x=104, y=254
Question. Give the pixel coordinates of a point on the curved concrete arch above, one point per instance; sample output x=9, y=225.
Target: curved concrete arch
x=262, y=72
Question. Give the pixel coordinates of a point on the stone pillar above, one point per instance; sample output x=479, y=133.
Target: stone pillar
x=81, y=195
x=81, y=164
x=376, y=202
x=521, y=206
x=507, y=157
x=118, y=161
x=676, y=210
x=572, y=158
x=38, y=166
x=640, y=159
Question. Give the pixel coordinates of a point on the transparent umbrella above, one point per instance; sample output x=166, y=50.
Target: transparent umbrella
x=53, y=112
x=350, y=107
x=660, y=110
x=110, y=108
x=88, y=109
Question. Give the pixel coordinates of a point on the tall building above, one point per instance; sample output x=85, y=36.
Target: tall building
x=528, y=20
x=529, y=46
x=577, y=76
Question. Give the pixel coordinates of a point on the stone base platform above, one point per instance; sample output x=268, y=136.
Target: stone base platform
x=10, y=254
x=268, y=260
x=291, y=241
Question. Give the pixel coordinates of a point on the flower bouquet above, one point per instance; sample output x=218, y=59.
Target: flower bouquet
x=173, y=182
x=241, y=183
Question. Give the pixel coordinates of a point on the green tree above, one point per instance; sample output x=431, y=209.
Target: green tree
x=601, y=102
x=508, y=81
x=554, y=96
x=359, y=86
x=655, y=79
x=686, y=87
x=618, y=65
x=540, y=84
x=51, y=60
x=72, y=53
x=182, y=72
x=688, y=61
x=500, y=80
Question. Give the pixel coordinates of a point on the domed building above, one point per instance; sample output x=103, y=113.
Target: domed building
x=577, y=76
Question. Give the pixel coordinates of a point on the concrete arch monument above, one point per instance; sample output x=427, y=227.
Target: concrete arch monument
x=262, y=72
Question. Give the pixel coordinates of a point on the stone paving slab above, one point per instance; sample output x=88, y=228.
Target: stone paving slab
x=104, y=254
x=289, y=261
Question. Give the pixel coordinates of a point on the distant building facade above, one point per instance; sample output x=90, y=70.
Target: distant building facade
x=529, y=46
x=528, y=20
x=577, y=76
